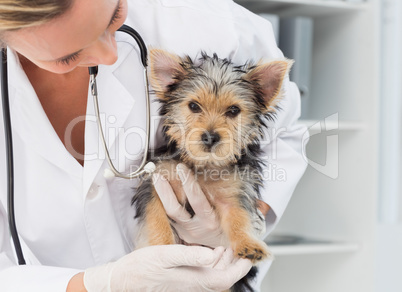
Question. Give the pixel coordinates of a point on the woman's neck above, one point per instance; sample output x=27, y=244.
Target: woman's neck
x=64, y=100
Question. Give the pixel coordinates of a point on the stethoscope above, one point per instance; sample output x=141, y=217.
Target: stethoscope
x=144, y=167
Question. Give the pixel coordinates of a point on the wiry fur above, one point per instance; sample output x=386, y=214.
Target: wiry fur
x=233, y=105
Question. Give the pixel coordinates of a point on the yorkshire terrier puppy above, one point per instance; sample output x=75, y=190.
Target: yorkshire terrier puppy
x=214, y=114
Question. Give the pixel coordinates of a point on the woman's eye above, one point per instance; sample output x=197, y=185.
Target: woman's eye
x=195, y=108
x=116, y=16
x=232, y=111
x=68, y=60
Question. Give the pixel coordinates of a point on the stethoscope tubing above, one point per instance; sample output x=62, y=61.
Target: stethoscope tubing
x=144, y=167
x=140, y=42
x=9, y=158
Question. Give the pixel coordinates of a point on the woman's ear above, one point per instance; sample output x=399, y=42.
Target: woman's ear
x=269, y=77
x=166, y=69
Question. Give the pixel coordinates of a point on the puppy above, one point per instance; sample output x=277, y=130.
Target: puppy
x=214, y=114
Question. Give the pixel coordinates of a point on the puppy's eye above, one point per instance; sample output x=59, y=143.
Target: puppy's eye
x=195, y=108
x=233, y=111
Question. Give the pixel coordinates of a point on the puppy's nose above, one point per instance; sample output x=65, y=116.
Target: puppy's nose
x=210, y=139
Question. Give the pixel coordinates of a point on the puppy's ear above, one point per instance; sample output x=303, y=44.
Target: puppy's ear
x=269, y=77
x=166, y=69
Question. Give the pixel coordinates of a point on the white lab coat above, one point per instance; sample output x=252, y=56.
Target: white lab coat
x=70, y=217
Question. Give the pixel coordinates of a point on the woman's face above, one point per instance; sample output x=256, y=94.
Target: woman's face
x=83, y=37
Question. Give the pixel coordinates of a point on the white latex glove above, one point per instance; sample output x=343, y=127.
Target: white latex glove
x=204, y=227
x=169, y=268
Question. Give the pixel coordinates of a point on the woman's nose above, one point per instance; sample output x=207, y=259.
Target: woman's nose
x=104, y=51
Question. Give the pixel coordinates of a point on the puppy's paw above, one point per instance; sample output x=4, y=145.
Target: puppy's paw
x=253, y=250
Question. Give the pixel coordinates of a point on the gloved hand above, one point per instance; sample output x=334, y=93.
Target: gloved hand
x=204, y=227
x=169, y=268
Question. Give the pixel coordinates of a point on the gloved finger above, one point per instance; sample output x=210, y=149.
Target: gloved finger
x=169, y=200
x=220, y=279
x=225, y=260
x=194, y=193
x=172, y=256
x=233, y=273
x=238, y=269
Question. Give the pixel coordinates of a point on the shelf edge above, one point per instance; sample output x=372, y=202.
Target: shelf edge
x=317, y=125
x=340, y=5
x=313, y=248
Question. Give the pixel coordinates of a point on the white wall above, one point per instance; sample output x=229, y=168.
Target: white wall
x=389, y=240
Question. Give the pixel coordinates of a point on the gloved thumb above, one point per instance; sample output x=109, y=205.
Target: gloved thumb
x=193, y=256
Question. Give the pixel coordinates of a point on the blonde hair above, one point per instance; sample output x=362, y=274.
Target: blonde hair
x=17, y=14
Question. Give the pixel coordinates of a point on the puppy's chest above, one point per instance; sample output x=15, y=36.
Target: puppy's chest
x=220, y=186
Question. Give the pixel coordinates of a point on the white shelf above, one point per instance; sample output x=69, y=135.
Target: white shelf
x=312, y=8
x=313, y=248
x=317, y=126
x=282, y=245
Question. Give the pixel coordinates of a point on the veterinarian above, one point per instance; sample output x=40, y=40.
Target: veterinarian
x=76, y=227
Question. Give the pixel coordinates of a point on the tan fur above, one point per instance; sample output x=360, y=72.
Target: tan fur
x=157, y=223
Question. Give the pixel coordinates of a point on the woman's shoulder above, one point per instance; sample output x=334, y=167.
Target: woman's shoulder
x=213, y=8
x=188, y=26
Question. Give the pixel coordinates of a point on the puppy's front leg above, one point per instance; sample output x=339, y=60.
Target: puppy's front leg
x=236, y=224
x=157, y=223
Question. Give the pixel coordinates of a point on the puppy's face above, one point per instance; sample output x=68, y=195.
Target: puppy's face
x=214, y=110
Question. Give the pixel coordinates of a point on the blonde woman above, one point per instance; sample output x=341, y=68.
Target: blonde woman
x=76, y=226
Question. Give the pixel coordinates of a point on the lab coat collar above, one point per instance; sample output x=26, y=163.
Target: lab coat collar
x=34, y=128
